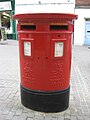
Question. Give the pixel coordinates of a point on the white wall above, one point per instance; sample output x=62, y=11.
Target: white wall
x=79, y=31
x=44, y=6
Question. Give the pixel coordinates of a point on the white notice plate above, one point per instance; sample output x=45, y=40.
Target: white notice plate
x=27, y=48
x=58, y=49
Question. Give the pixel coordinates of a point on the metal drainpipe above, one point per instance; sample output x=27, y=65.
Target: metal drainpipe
x=13, y=21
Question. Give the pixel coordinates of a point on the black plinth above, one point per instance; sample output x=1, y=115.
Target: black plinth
x=48, y=102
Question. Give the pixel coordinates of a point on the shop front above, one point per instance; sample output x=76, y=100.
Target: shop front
x=6, y=21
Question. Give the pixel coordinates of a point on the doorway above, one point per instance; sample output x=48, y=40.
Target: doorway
x=87, y=32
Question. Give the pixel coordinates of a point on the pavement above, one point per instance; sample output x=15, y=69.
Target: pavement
x=10, y=103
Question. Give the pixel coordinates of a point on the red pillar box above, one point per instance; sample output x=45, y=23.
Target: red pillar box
x=45, y=45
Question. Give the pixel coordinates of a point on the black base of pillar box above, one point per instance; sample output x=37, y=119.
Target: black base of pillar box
x=48, y=102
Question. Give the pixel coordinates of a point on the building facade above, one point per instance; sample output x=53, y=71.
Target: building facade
x=82, y=25
x=42, y=6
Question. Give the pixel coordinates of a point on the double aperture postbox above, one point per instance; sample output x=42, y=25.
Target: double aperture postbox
x=45, y=45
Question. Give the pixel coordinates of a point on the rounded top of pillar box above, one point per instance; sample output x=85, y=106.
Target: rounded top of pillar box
x=47, y=17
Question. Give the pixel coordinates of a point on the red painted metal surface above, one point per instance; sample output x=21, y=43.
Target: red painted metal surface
x=41, y=70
